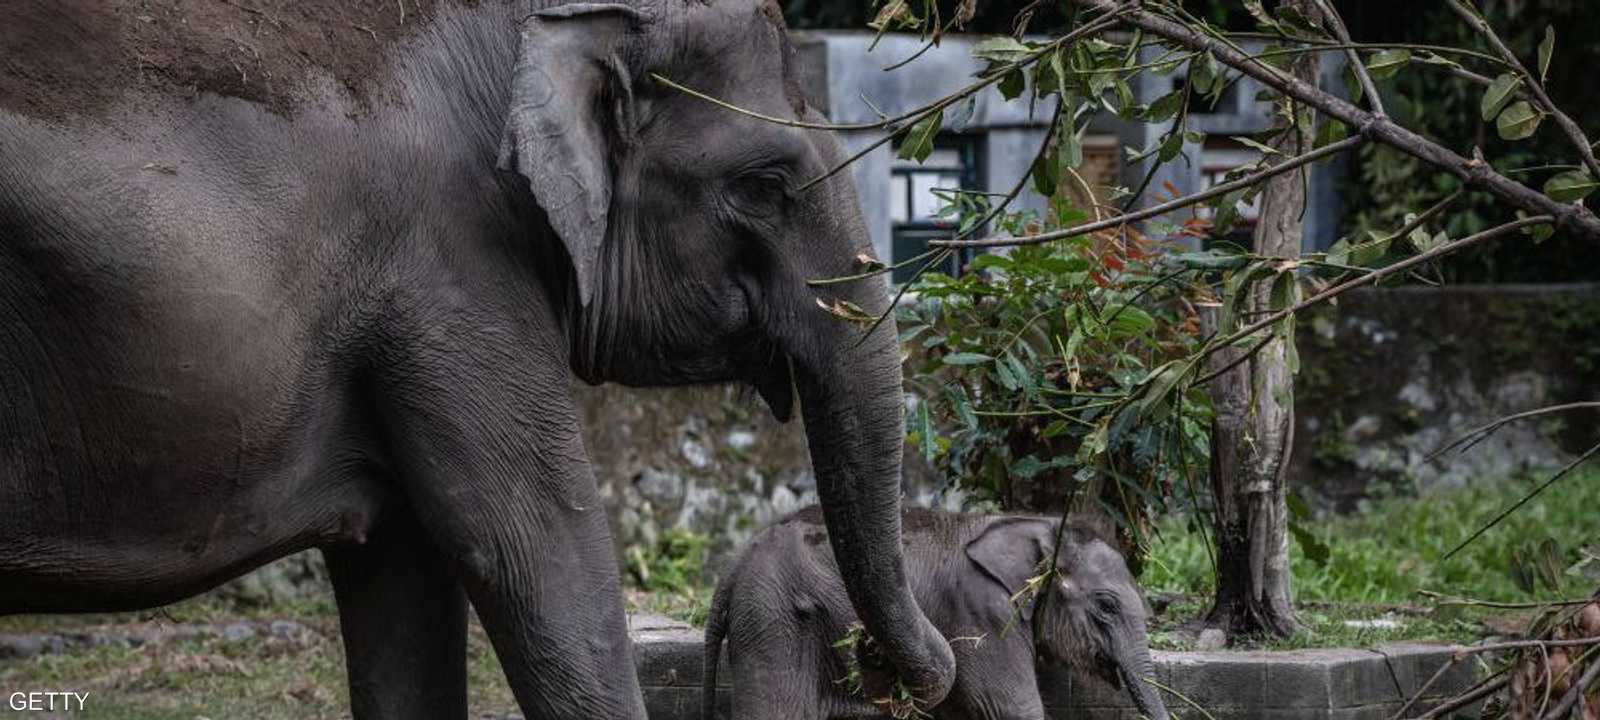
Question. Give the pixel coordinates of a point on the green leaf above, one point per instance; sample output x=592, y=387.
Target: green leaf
x=1570, y=186
x=1499, y=94
x=922, y=425
x=1315, y=549
x=1547, y=47
x=1332, y=131
x=1263, y=147
x=1170, y=147
x=1260, y=14
x=1008, y=379
x=918, y=144
x=1071, y=146
x=1518, y=121
x=1386, y=63
x=1209, y=260
x=1165, y=106
x=1352, y=85
x=1129, y=321
x=991, y=260
x=1046, y=172
x=966, y=358
x=1203, y=73
x=1012, y=85
x=1000, y=48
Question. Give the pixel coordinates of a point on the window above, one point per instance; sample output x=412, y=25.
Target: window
x=914, y=206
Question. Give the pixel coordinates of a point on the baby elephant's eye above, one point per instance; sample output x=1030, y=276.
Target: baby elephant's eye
x=1106, y=603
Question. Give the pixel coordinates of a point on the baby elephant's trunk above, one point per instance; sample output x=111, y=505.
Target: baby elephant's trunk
x=1135, y=666
x=716, y=629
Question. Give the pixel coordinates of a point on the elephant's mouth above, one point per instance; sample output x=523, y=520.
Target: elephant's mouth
x=775, y=384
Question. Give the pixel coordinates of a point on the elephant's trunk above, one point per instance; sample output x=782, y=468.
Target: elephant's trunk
x=1134, y=664
x=852, y=402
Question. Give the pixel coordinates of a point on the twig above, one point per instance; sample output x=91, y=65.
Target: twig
x=899, y=122
x=1571, y=217
x=1185, y=698
x=1535, y=84
x=1496, y=521
x=1462, y=701
x=1336, y=24
x=1578, y=688
x=1443, y=600
x=1163, y=208
x=1478, y=434
x=1377, y=275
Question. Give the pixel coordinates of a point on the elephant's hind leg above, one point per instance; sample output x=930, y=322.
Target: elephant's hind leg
x=403, y=617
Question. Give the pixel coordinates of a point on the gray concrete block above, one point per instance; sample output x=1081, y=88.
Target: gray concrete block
x=1335, y=684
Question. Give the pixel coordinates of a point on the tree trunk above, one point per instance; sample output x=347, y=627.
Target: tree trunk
x=1253, y=433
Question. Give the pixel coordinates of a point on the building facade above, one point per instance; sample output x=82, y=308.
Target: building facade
x=989, y=144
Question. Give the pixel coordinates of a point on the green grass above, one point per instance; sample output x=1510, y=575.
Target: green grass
x=1389, y=551
x=1382, y=557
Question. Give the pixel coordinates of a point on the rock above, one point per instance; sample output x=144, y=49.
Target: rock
x=659, y=487
x=289, y=630
x=1211, y=639
x=695, y=453
x=238, y=632
x=22, y=647
x=741, y=440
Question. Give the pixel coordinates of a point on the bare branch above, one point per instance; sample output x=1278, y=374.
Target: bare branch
x=1578, y=688
x=1475, y=173
x=1336, y=24
x=1166, y=207
x=1534, y=83
x=1477, y=434
x=1525, y=498
x=1375, y=276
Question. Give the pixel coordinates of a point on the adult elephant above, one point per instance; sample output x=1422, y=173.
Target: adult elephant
x=338, y=302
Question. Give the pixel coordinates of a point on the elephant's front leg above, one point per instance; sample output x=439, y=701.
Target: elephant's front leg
x=487, y=441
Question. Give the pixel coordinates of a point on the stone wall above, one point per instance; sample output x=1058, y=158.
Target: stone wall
x=1390, y=375
x=1387, y=376
x=708, y=459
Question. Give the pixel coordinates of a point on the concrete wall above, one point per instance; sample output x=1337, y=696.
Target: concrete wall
x=1337, y=684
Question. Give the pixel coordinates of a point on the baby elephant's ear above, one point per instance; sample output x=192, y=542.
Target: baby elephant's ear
x=1010, y=550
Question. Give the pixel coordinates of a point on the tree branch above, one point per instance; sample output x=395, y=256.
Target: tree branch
x=1535, y=84
x=1377, y=275
x=1163, y=208
x=1336, y=24
x=1475, y=173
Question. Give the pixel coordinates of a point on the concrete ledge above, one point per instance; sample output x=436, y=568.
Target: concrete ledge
x=1335, y=684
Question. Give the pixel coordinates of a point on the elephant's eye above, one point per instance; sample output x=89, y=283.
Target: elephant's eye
x=1106, y=604
x=760, y=193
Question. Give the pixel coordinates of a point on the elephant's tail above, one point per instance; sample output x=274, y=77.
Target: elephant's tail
x=716, y=630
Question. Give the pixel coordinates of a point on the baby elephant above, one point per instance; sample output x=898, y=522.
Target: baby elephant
x=782, y=607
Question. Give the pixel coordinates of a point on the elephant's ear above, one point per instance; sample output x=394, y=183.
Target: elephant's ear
x=571, y=98
x=1010, y=550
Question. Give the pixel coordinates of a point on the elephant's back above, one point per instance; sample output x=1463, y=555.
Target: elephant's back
x=77, y=58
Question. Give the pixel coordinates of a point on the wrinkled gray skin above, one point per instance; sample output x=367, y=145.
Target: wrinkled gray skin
x=782, y=606
x=348, y=329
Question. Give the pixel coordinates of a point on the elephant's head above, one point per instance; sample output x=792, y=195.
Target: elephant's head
x=691, y=242
x=1090, y=616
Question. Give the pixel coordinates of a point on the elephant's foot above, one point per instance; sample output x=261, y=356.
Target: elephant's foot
x=403, y=617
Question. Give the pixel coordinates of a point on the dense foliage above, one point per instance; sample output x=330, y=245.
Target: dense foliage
x=1036, y=370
